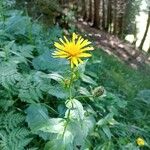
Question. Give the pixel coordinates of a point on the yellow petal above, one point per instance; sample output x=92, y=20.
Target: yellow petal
x=74, y=60
x=85, y=43
x=59, y=46
x=60, y=53
x=80, y=61
x=80, y=40
x=60, y=56
x=67, y=41
x=87, y=48
x=74, y=37
x=62, y=41
x=84, y=55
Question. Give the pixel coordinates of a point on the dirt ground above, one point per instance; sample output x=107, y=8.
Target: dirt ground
x=114, y=46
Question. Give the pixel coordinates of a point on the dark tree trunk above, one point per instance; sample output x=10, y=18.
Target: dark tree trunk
x=61, y=2
x=96, y=22
x=104, y=15
x=135, y=35
x=145, y=34
x=90, y=11
x=85, y=16
x=148, y=50
x=120, y=26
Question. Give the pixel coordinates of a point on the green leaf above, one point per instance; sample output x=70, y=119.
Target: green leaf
x=37, y=117
x=56, y=125
x=107, y=131
x=55, y=76
x=88, y=79
x=130, y=146
x=64, y=142
x=105, y=120
x=144, y=95
x=58, y=91
x=84, y=91
x=51, y=145
x=47, y=62
x=76, y=109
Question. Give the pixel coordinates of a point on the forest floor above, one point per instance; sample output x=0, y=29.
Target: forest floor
x=114, y=46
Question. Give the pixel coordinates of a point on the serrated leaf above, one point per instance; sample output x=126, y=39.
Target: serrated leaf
x=47, y=62
x=58, y=91
x=56, y=125
x=37, y=117
x=76, y=109
x=54, y=76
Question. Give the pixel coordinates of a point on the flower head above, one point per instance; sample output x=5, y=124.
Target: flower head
x=140, y=142
x=73, y=49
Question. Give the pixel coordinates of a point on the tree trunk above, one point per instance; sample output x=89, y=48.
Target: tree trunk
x=84, y=10
x=145, y=34
x=104, y=15
x=148, y=50
x=109, y=15
x=96, y=22
x=115, y=17
x=135, y=35
x=120, y=26
x=61, y=2
x=90, y=11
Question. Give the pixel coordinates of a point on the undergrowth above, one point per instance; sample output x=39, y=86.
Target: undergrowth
x=111, y=101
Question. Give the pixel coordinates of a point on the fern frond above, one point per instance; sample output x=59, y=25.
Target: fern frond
x=11, y=120
x=31, y=88
x=9, y=75
x=6, y=103
x=13, y=135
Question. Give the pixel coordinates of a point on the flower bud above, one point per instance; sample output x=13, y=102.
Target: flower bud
x=98, y=91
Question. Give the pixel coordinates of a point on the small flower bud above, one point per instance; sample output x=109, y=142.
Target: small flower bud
x=98, y=91
x=67, y=83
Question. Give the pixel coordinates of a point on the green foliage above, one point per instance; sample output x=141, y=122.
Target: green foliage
x=13, y=135
x=41, y=10
x=57, y=130
x=39, y=111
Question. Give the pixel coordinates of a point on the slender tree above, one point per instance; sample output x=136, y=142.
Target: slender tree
x=148, y=50
x=96, y=22
x=115, y=17
x=84, y=10
x=146, y=30
x=109, y=15
x=90, y=11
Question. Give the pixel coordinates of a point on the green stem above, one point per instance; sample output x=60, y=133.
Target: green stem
x=68, y=115
x=70, y=98
x=6, y=54
x=84, y=96
x=71, y=83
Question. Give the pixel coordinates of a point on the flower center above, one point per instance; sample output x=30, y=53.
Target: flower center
x=74, y=50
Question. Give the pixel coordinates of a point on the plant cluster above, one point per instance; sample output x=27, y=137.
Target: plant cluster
x=45, y=105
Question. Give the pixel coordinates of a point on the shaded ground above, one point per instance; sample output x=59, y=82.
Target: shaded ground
x=114, y=46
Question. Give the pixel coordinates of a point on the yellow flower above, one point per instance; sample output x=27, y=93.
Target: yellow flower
x=73, y=49
x=140, y=142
